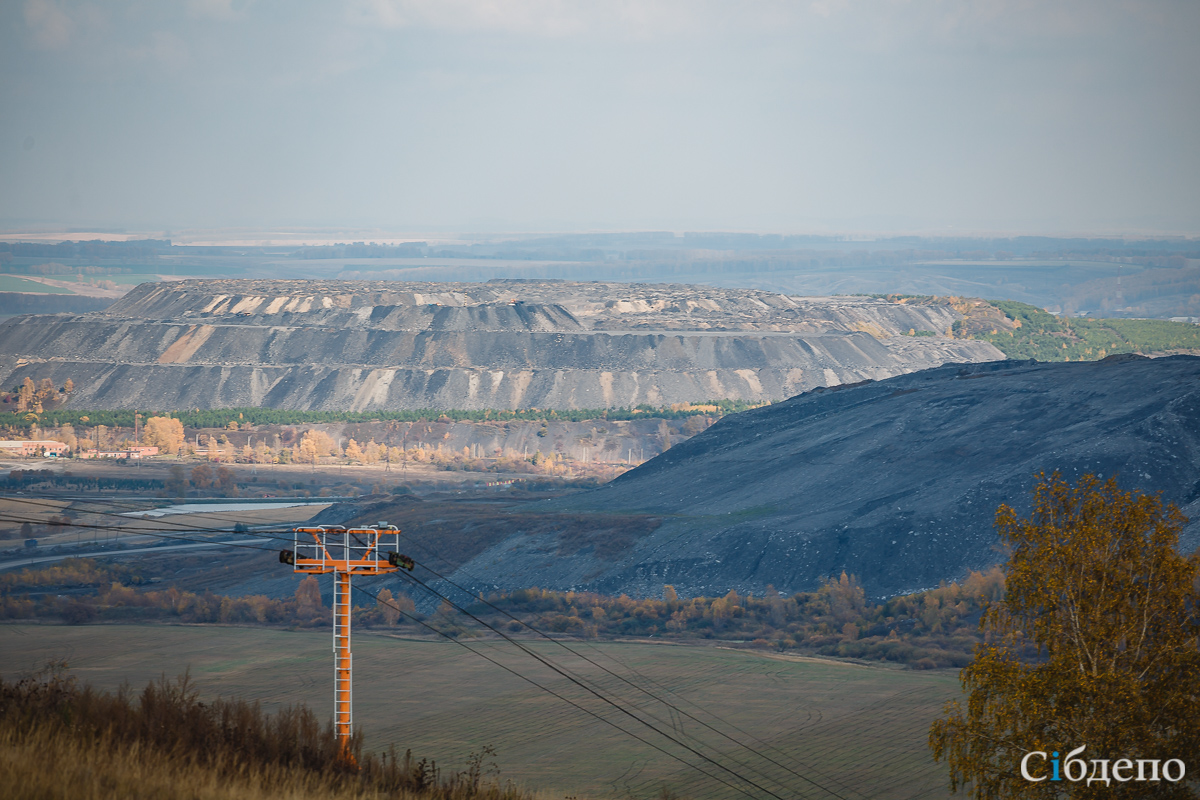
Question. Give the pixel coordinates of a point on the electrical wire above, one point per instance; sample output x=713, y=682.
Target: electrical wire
x=574, y=679
x=260, y=534
x=545, y=662
x=623, y=679
x=416, y=581
x=570, y=702
x=128, y=516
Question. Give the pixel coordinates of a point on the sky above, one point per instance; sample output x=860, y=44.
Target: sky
x=930, y=116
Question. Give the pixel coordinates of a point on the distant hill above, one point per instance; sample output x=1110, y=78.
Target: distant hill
x=896, y=481
x=386, y=345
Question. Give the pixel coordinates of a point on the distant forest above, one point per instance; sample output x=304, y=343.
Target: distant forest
x=1047, y=337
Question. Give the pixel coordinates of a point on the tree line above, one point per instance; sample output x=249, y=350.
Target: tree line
x=221, y=418
x=929, y=629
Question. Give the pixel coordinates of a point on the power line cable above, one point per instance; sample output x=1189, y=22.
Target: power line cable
x=570, y=702
x=578, y=681
x=581, y=684
x=550, y=665
x=623, y=679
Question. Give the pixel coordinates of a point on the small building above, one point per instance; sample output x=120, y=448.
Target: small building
x=132, y=452
x=32, y=448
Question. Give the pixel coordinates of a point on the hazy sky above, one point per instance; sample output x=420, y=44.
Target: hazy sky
x=557, y=115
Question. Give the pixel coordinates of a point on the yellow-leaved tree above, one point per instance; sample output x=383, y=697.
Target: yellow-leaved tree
x=1094, y=645
x=164, y=432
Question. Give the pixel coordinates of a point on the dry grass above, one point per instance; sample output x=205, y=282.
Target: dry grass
x=47, y=763
x=61, y=740
x=866, y=725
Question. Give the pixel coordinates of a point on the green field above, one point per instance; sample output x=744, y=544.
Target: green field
x=11, y=283
x=858, y=730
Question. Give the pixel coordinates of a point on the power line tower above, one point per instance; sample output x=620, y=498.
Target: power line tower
x=345, y=553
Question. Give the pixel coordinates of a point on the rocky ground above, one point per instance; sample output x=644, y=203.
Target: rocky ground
x=362, y=345
x=897, y=481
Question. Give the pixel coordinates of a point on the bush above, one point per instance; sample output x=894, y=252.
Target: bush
x=166, y=738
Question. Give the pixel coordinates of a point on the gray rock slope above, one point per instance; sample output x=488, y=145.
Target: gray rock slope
x=377, y=345
x=896, y=481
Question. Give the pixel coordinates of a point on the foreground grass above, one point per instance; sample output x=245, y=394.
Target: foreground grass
x=62, y=740
x=865, y=727
x=47, y=763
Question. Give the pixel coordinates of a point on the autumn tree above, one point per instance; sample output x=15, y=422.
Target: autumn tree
x=1096, y=587
x=308, y=598
x=202, y=476
x=846, y=599
x=391, y=608
x=387, y=607
x=225, y=480
x=165, y=433
x=66, y=435
x=313, y=446
x=25, y=395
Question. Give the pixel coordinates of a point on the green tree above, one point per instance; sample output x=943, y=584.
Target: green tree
x=1096, y=587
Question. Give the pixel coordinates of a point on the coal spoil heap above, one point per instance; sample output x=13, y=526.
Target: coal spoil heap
x=376, y=345
x=895, y=481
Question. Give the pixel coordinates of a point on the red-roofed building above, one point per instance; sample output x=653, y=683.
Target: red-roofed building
x=33, y=447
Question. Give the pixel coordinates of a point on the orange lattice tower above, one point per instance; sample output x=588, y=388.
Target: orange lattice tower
x=345, y=552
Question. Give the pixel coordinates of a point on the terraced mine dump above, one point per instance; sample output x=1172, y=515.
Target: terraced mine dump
x=895, y=481
x=363, y=345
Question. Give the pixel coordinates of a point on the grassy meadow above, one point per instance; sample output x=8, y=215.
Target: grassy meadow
x=858, y=730
x=11, y=283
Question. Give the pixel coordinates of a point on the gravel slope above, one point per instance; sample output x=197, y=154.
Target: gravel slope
x=896, y=481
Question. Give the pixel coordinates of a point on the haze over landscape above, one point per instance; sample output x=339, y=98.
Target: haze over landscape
x=719, y=396
x=535, y=115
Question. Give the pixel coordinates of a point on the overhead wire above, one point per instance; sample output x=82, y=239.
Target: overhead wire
x=553, y=667
x=172, y=535
x=180, y=528
x=752, y=737
x=572, y=703
x=416, y=581
x=623, y=679
x=161, y=519
x=141, y=531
